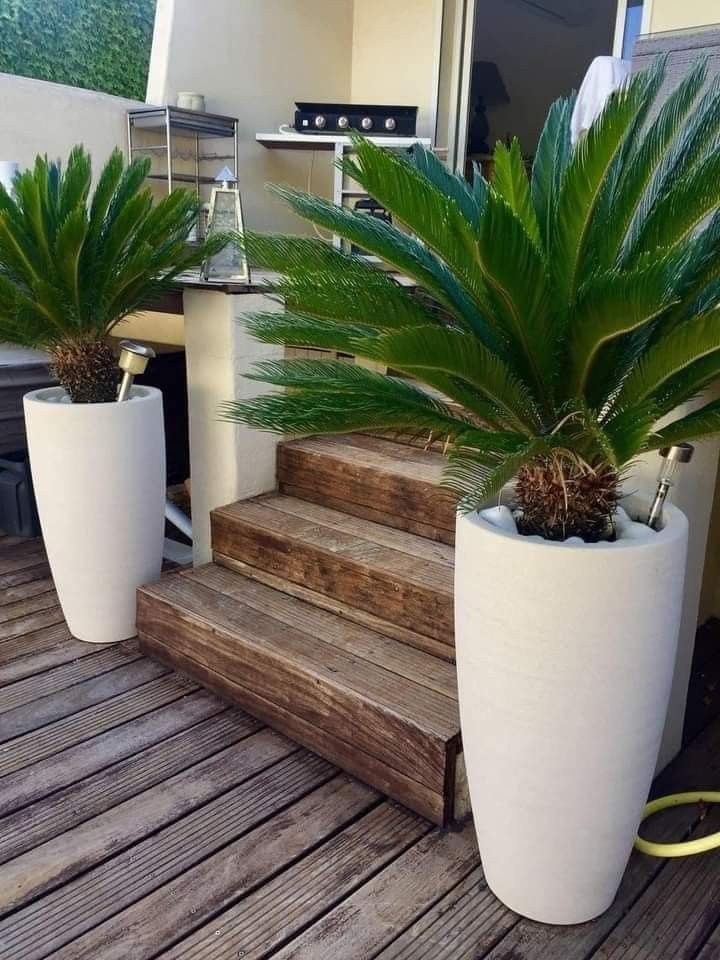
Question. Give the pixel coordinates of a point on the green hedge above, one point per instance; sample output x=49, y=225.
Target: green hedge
x=98, y=44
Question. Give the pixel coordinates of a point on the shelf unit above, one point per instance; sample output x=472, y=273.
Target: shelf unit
x=169, y=127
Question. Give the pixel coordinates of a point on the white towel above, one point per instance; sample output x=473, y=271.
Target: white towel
x=604, y=76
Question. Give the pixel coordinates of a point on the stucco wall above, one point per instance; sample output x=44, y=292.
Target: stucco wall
x=41, y=117
x=394, y=55
x=252, y=61
x=675, y=15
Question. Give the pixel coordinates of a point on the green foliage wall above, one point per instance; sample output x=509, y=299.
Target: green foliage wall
x=98, y=44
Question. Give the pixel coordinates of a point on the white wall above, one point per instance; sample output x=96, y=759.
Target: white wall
x=395, y=55
x=539, y=59
x=252, y=59
x=41, y=117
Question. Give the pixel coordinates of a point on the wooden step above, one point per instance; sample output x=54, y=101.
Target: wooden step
x=397, y=577
x=371, y=477
x=378, y=708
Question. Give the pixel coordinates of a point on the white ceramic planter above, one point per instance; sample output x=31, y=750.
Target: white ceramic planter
x=99, y=476
x=565, y=656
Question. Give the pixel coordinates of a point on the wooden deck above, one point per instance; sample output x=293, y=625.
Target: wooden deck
x=140, y=817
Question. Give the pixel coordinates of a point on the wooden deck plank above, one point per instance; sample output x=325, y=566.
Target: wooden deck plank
x=463, y=925
x=26, y=591
x=343, y=752
x=30, y=622
x=52, y=680
x=281, y=908
x=162, y=918
x=56, y=737
x=405, y=661
x=35, y=653
x=396, y=897
x=39, y=569
x=36, y=600
x=711, y=950
x=72, y=805
x=40, y=779
x=87, y=693
x=54, y=862
x=21, y=556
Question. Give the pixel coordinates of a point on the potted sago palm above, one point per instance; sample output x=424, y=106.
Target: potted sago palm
x=73, y=264
x=558, y=318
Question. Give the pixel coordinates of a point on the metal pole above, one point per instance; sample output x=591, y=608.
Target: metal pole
x=169, y=148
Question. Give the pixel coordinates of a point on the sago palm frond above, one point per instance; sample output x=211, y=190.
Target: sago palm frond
x=556, y=318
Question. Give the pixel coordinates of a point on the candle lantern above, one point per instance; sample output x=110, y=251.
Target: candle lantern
x=225, y=216
x=671, y=458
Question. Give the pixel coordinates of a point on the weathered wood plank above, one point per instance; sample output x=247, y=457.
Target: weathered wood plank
x=36, y=600
x=39, y=651
x=278, y=910
x=66, y=675
x=407, y=727
x=438, y=650
x=31, y=622
x=80, y=848
x=22, y=555
x=401, y=659
x=66, y=808
x=25, y=591
x=64, y=703
x=414, y=593
x=243, y=854
x=396, y=897
x=367, y=478
x=29, y=749
x=711, y=950
x=38, y=780
x=462, y=925
x=39, y=569
x=697, y=766
x=344, y=753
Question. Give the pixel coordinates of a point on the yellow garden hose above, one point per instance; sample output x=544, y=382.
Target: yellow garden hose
x=701, y=845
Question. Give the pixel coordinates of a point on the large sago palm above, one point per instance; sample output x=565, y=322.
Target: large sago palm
x=557, y=318
x=75, y=262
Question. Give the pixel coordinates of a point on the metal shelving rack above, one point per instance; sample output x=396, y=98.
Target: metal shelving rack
x=170, y=124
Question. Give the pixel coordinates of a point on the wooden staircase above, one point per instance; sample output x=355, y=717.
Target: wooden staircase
x=328, y=613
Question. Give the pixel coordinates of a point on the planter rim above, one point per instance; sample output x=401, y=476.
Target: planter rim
x=49, y=396
x=673, y=529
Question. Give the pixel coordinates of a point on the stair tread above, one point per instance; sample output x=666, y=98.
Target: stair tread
x=360, y=676
x=360, y=641
x=413, y=463
x=421, y=561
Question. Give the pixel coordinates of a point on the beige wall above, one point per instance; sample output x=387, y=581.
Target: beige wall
x=677, y=14
x=40, y=117
x=394, y=55
x=252, y=60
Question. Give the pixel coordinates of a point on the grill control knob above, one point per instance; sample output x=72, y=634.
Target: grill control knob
x=366, y=123
x=343, y=123
x=320, y=122
x=390, y=124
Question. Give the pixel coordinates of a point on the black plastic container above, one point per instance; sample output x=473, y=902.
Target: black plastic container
x=18, y=512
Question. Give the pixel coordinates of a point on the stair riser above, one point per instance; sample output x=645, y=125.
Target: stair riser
x=384, y=595
x=364, y=491
x=283, y=682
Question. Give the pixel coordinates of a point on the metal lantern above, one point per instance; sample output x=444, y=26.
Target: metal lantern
x=225, y=216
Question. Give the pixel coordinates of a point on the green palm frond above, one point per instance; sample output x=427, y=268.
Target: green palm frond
x=555, y=319
x=73, y=265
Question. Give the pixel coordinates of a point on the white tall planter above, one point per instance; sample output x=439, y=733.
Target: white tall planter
x=99, y=476
x=565, y=657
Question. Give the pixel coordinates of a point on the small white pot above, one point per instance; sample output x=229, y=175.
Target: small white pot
x=565, y=655
x=99, y=475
